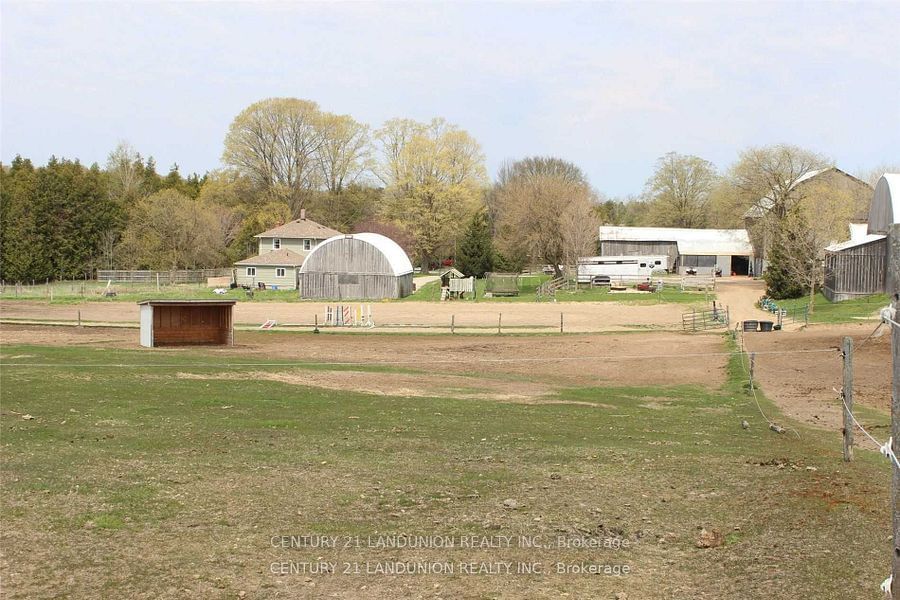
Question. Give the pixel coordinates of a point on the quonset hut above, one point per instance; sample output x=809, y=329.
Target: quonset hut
x=362, y=266
x=859, y=267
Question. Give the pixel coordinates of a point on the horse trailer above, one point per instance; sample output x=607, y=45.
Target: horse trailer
x=604, y=269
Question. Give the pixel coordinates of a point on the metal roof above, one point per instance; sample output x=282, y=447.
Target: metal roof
x=276, y=258
x=868, y=239
x=397, y=259
x=885, y=208
x=189, y=302
x=718, y=242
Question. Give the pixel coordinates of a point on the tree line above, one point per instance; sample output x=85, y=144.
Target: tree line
x=423, y=184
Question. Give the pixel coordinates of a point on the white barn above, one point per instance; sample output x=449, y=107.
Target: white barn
x=705, y=250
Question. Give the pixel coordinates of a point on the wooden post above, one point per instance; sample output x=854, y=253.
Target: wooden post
x=893, y=288
x=452, y=324
x=560, y=322
x=847, y=393
x=499, y=322
x=79, y=318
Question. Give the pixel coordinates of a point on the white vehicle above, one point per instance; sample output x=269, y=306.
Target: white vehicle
x=604, y=269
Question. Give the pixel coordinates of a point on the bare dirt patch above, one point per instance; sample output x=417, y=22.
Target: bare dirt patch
x=632, y=359
x=803, y=383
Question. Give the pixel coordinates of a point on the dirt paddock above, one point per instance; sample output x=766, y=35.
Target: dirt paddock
x=542, y=362
x=528, y=368
x=802, y=381
x=579, y=316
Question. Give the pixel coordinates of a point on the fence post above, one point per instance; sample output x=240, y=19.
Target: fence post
x=893, y=288
x=560, y=322
x=752, y=364
x=79, y=318
x=847, y=394
x=499, y=322
x=452, y=324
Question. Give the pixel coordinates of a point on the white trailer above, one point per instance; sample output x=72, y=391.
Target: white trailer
x=605, y=269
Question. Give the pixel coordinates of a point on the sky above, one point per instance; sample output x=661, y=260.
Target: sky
x=608, y=86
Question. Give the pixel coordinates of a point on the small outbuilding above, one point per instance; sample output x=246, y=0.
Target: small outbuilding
x=187, y=322
x=361, y=266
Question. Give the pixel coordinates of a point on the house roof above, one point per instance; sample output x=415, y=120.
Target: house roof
x=867, y=239
x=718, y=242
x=391, y=250
x=885, y=208
x=300, y=228
x=276, y=258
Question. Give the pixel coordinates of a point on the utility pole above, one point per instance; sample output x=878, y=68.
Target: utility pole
x=893, y=288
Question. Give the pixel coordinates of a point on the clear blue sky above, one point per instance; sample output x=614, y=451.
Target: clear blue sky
x=608, y=86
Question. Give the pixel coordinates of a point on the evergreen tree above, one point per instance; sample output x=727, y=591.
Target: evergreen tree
x=780, y=283
x=476, y=253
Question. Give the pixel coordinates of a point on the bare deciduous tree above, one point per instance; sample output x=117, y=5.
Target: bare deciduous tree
x=680, y=191
x=275, y=142
x=544, y=211
x=345, y=152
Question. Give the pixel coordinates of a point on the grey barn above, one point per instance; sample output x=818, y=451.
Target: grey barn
x=362, y=266
x=859, y=267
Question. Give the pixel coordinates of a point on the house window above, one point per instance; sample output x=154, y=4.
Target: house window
x=307, y=244
x=251, y=271
x=276, y=243
x=279, y=272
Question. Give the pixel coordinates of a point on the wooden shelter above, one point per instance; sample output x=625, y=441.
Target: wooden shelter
x=187, y=322
x=362, y=266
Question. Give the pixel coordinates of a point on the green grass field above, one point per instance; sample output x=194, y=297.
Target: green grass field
x=528, y=285
x=848, y=311
x=141, y=481
x=73, y=293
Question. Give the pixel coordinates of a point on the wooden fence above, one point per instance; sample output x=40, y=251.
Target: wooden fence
x=162, y=277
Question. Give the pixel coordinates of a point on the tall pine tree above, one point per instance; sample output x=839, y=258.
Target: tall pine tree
x=476, y=252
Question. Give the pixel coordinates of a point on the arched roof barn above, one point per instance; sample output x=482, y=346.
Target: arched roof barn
x=364, y=266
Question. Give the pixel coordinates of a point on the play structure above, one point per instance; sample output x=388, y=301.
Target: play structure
x=455, y=285
x=349, y=315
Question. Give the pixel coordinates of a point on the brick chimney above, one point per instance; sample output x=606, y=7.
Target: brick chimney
x=303, y=214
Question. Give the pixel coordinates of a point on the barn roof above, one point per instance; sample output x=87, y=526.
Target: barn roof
x=867, y=239
x=885, y=208
x=276, y=258
x=765, y=203
x=689, y=241
x=391, y=250
x=301, y=228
